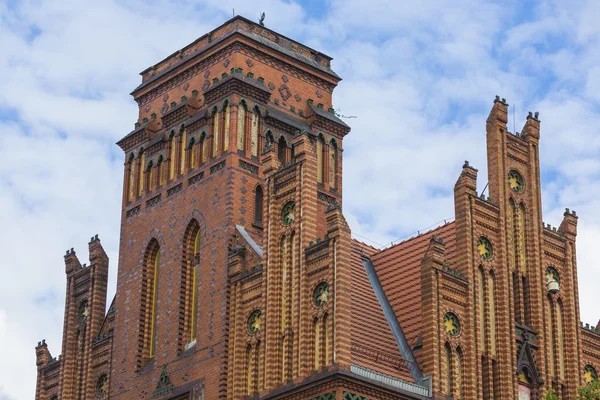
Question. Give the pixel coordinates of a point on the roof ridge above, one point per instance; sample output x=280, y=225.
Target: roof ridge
x=368, y=245
x=419, y=235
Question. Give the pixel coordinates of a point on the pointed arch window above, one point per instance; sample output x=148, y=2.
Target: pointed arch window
x=183, y=151
x=130, y=177
x=560, y=339
x=333, y=163
x=316, y=344
x=150, y=176
x=320, y=160
x=148, y=301
x=270, y=140
x=191, y=149
x=550, y=333
x=216, y=132
x=325, y=342
x=172, y=155
x=161, y=170
x=258, y=206
x=256, y=114
x=203, y=148
x=282, y=150
x=141, y=173
x=226, y=120
x=481, y=308
x=459, y=373
x=448, y=369
x=241, y=125
x=189, y=284
x=492, y=315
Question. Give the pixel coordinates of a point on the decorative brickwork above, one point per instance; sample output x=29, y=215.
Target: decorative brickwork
x=238, y=276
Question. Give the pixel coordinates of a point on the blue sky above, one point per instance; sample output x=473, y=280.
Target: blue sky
x=419, y=78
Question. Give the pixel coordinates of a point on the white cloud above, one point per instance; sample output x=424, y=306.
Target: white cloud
x=419, y=78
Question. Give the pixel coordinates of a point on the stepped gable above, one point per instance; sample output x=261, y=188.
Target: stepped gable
x=399, y=270
x=373, y=344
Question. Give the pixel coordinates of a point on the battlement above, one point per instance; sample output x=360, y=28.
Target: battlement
x=249, y=29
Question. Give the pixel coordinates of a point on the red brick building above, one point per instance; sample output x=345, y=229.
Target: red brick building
x=238, y=277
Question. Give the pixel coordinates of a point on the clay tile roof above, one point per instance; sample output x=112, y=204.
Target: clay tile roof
x=399, y=270
x=373, y=344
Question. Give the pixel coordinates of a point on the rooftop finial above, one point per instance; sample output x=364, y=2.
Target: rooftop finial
x=262, y=19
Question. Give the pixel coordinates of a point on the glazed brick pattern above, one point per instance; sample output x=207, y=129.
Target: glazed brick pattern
x=301, y=351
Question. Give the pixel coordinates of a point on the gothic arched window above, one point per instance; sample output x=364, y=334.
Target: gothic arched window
x=282, y=150
x=256, y=114
x=189, y=283
x=333, y=163
x=320, y=158
x=241, y=127
x=148, y=303
x=258, y=206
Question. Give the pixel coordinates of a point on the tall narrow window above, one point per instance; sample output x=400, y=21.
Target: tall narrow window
x=141, y=173
x=249, y=371
x=333, y=156
x=281, y=150
x=320, y=146
x=131, y=166
x=256, y=367
x=216, y=132
x=241, y=126
x=517, y=296
x=324, y=343
x=492, y=315
x=188, y=292
x=183, y=153
x=226, y=117
x=316, y=344
x=560, y=339
x=512, y=234
x=448, y=369
x=550, y=334
x=522, y=239
x=147, y=324
x=254, y=132
x=481, y=308
x=526, y=306
x=203, y=147
x=173, y=149
x=192, y=152
x=459, y=373
x=150, y=175
x=193, y=305
x=258, y=206
x=161, y=170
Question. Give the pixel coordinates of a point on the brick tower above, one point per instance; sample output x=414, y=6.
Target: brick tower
x=238, y=277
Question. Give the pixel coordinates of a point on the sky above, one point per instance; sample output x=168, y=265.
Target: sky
x=420, y=78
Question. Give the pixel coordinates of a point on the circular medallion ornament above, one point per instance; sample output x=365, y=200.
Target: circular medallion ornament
x=321, y=294
x=102, y=386
x=82, y=313
x=148, y=108
x=484, y=247
x=589, y=374
x=451, y=324
x=288, y=215
x=254, y=322
x=515, y=181
x=186, y=86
